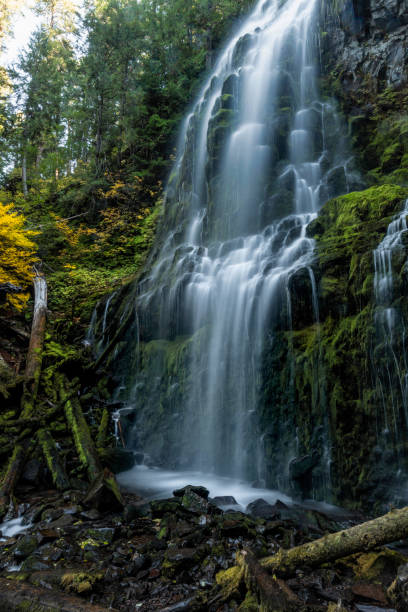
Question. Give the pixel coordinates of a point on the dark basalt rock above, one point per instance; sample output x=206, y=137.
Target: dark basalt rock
x=261, y=509
x=224, y=500
x=200, y=491
x=118, y=459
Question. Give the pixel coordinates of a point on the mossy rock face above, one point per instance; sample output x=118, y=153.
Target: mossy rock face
x=322, y=380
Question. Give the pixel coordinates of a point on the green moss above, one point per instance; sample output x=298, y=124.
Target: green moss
x=250, y=604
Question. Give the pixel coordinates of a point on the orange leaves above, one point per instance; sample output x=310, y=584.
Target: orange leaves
x=17, y=253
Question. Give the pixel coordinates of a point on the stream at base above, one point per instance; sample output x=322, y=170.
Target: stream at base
x=155, y=483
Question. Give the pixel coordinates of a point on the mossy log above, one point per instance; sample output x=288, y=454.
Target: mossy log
x=80, y=431
x=16, y=596
x=51, y=455
x=361, y=538
x=11, y=476
x=35, y=350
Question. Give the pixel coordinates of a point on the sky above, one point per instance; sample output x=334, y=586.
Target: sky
x=23, y=26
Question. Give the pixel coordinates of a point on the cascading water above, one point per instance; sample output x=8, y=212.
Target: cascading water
x=390, y=355
x=260, y=153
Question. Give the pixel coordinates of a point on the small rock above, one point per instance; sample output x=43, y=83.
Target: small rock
x=25, y=546
x=102, y=536
x=32, y=471
x=261, y=509
x=370, y=592
x=51, y=514
x=118, y=459
x=91, y=515
x=47, y=535
x=200, y=491
x=139, y=562
x=33, y=564
x=130, y=513
x=161, y=507
x=224, y=500
x=64, y=521
x=75, y=509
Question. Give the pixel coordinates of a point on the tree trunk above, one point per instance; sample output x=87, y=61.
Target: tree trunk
x=24, y=174
x=361, y=538
x=35, y=349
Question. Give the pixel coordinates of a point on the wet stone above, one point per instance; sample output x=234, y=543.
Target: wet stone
x=64, y=521
x=25, y=546
x=161, y=507
x=200, y=491
x=91, y=515
x=261, y=509
x=103, y=536
x=224, y=500
x=51, y=514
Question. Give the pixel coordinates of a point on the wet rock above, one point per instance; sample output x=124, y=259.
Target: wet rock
x=64, y=521
x=91, y=515
x=161, y=507
x=224, y=500
x=139, y=562
x=32, y=564
x=32, y=471
x=51, y=514
x=118, y=459
x=102, y=536
x=261, y=509
x=25, y=546
x=234, y=524
x=47, y=535
x=373, y=593
x=200, y=491
x=75, y=509
x=180, y=559
x=130, y=513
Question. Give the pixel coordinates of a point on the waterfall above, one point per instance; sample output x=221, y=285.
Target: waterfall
x=259, y=154
x=389, y=355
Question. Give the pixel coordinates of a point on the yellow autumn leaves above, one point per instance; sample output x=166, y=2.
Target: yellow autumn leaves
x=17, y=253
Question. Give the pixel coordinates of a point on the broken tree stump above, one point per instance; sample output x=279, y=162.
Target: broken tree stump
x=272, y=594
x=35, y=350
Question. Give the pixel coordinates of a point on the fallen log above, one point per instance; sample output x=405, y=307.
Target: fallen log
x=360, y=538
x=16, y=595
x=80, y=431
x=35, y=350
x=51, y=455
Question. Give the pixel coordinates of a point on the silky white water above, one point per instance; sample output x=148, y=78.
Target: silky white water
x=259, y=153
x=390, y=357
